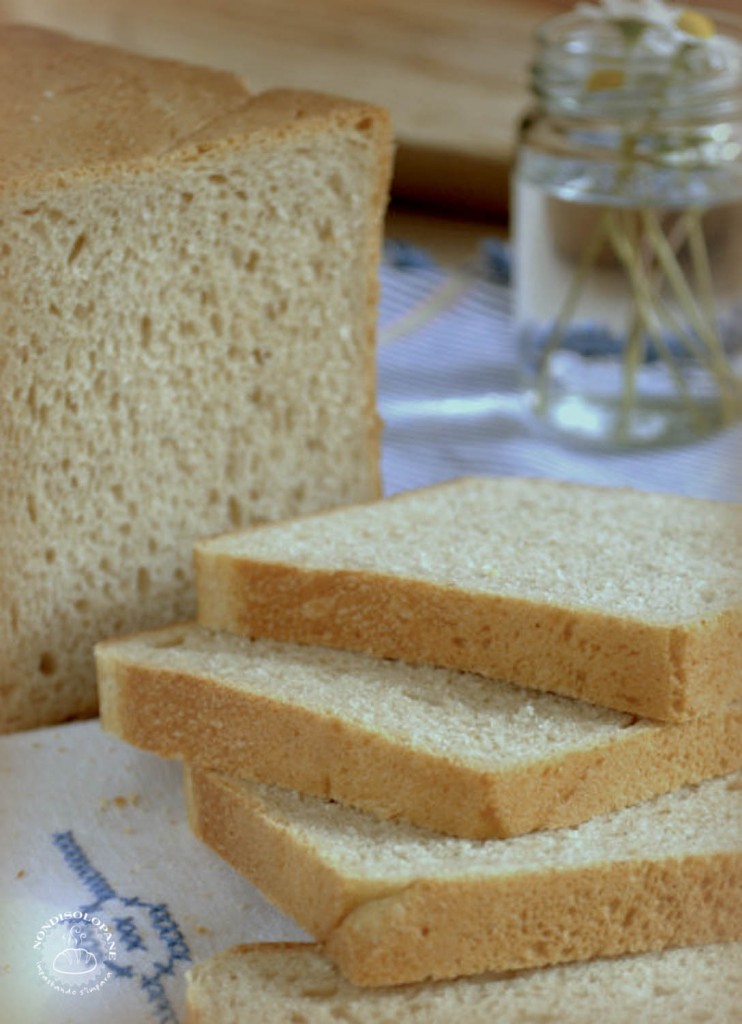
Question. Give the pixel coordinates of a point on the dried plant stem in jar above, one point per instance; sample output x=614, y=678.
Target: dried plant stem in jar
x=629, y=221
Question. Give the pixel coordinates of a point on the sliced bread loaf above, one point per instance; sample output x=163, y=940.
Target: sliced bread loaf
x=188, y=288
x=626, y=599
x=393, y=903
x=284, y=983
x=449, y=750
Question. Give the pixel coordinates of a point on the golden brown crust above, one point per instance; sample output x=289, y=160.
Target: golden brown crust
x=707, y=659
x=434, y=928
x=294, y=878
x=68, y=105
x=441, y=930
x=657, y=671
x=184, y=715
x=372, y=246
x=72, y=110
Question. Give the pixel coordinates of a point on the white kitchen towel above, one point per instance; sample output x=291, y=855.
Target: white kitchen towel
x=92, y=827
x=96, y=831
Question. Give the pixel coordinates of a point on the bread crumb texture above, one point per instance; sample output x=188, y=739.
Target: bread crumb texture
x=652, y=557
x=187, y=290
x=455, y=714
x=692, y=821
x=294, y=984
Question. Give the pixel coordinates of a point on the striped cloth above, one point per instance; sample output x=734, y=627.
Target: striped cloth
x=449, y=396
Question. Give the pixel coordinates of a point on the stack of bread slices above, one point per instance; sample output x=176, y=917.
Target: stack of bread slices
x=491, y=726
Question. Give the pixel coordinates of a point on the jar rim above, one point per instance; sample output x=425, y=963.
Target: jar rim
x=567, y=20
x=574, y=46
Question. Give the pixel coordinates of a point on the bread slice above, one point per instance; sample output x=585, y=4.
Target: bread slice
x=393, y=903
x=626, y=599
x=449, y=750
x=288, y=983
x=188, y=289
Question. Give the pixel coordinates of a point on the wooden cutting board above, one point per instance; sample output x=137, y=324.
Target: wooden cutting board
x=453, y=72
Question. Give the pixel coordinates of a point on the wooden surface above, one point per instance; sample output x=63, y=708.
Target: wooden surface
x=453, y=72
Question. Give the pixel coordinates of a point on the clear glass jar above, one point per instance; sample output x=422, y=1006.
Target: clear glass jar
x=628, y=229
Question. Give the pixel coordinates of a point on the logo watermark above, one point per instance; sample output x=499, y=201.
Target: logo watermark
x=75, y=950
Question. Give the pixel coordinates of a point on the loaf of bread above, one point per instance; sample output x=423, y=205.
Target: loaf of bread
x=188, y=289
x=448, y=750
x=626, y=599
x=393, y=903
x=285, y=983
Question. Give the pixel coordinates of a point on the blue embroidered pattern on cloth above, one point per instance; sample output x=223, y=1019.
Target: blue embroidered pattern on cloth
x=161, y=952
x=449, y=392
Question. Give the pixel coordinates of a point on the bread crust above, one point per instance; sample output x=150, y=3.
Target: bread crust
x=73, y=111
x=181, y=714
x=295, y=879
x=442, y=928
x=287, y=982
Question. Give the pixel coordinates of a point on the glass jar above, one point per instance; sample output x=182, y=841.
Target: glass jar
x=628, y=227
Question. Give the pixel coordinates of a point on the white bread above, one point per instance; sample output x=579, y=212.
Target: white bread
x=448, y=750
x=188, y=290
x=285, y=983
x=626, y=599
x=393, y=903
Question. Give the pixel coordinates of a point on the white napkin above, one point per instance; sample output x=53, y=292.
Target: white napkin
x=92, y=825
